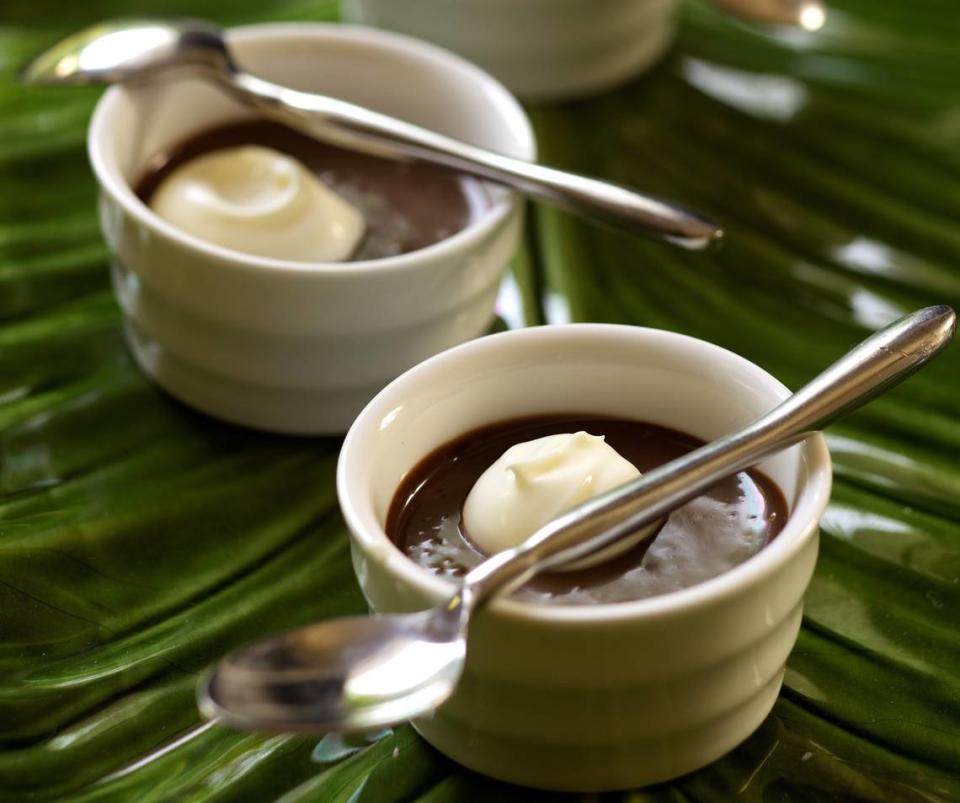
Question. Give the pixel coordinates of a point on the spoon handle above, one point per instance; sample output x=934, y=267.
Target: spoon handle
x=358, y=128
x=808, y=14
x=882, y=360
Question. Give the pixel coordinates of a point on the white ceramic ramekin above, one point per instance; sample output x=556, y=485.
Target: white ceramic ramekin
x=289, y=346
x=541, y=49
x=607, y=696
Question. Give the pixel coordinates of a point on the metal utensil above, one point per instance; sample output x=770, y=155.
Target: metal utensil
x=139, y=50
x=808, y=14
x=368, y=672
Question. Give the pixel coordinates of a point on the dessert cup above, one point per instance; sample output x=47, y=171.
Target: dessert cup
x=593, y=697
x=292, y=346
x=541, y=49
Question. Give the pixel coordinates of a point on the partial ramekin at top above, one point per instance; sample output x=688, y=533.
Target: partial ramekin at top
x=594, y=697
x=291, y=346
x=541, y=49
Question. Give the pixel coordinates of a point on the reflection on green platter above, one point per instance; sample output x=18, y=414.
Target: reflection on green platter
x=139, y=540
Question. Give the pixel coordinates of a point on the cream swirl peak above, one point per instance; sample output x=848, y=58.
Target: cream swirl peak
x=535, y=481
x=261, y=202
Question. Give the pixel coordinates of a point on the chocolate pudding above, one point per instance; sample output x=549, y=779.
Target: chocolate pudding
x=702, y=539
x=405, y=205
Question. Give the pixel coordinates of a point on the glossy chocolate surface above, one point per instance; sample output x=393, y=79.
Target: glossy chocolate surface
x=406, y=206
x=702, y=539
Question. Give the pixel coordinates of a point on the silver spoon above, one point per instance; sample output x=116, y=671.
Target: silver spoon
x=138, y=50
x=364, y=673
x=808, y=14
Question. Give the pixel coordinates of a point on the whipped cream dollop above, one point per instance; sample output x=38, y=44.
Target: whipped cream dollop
x=535, y=481
x=261, y=202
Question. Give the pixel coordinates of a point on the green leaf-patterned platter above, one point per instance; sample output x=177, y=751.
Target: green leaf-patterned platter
x=140, y=540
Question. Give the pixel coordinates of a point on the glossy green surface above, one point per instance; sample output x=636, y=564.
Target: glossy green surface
x=139, y=540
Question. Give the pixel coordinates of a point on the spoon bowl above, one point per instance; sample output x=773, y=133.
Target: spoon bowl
x=350, y=674
x=129, y=50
